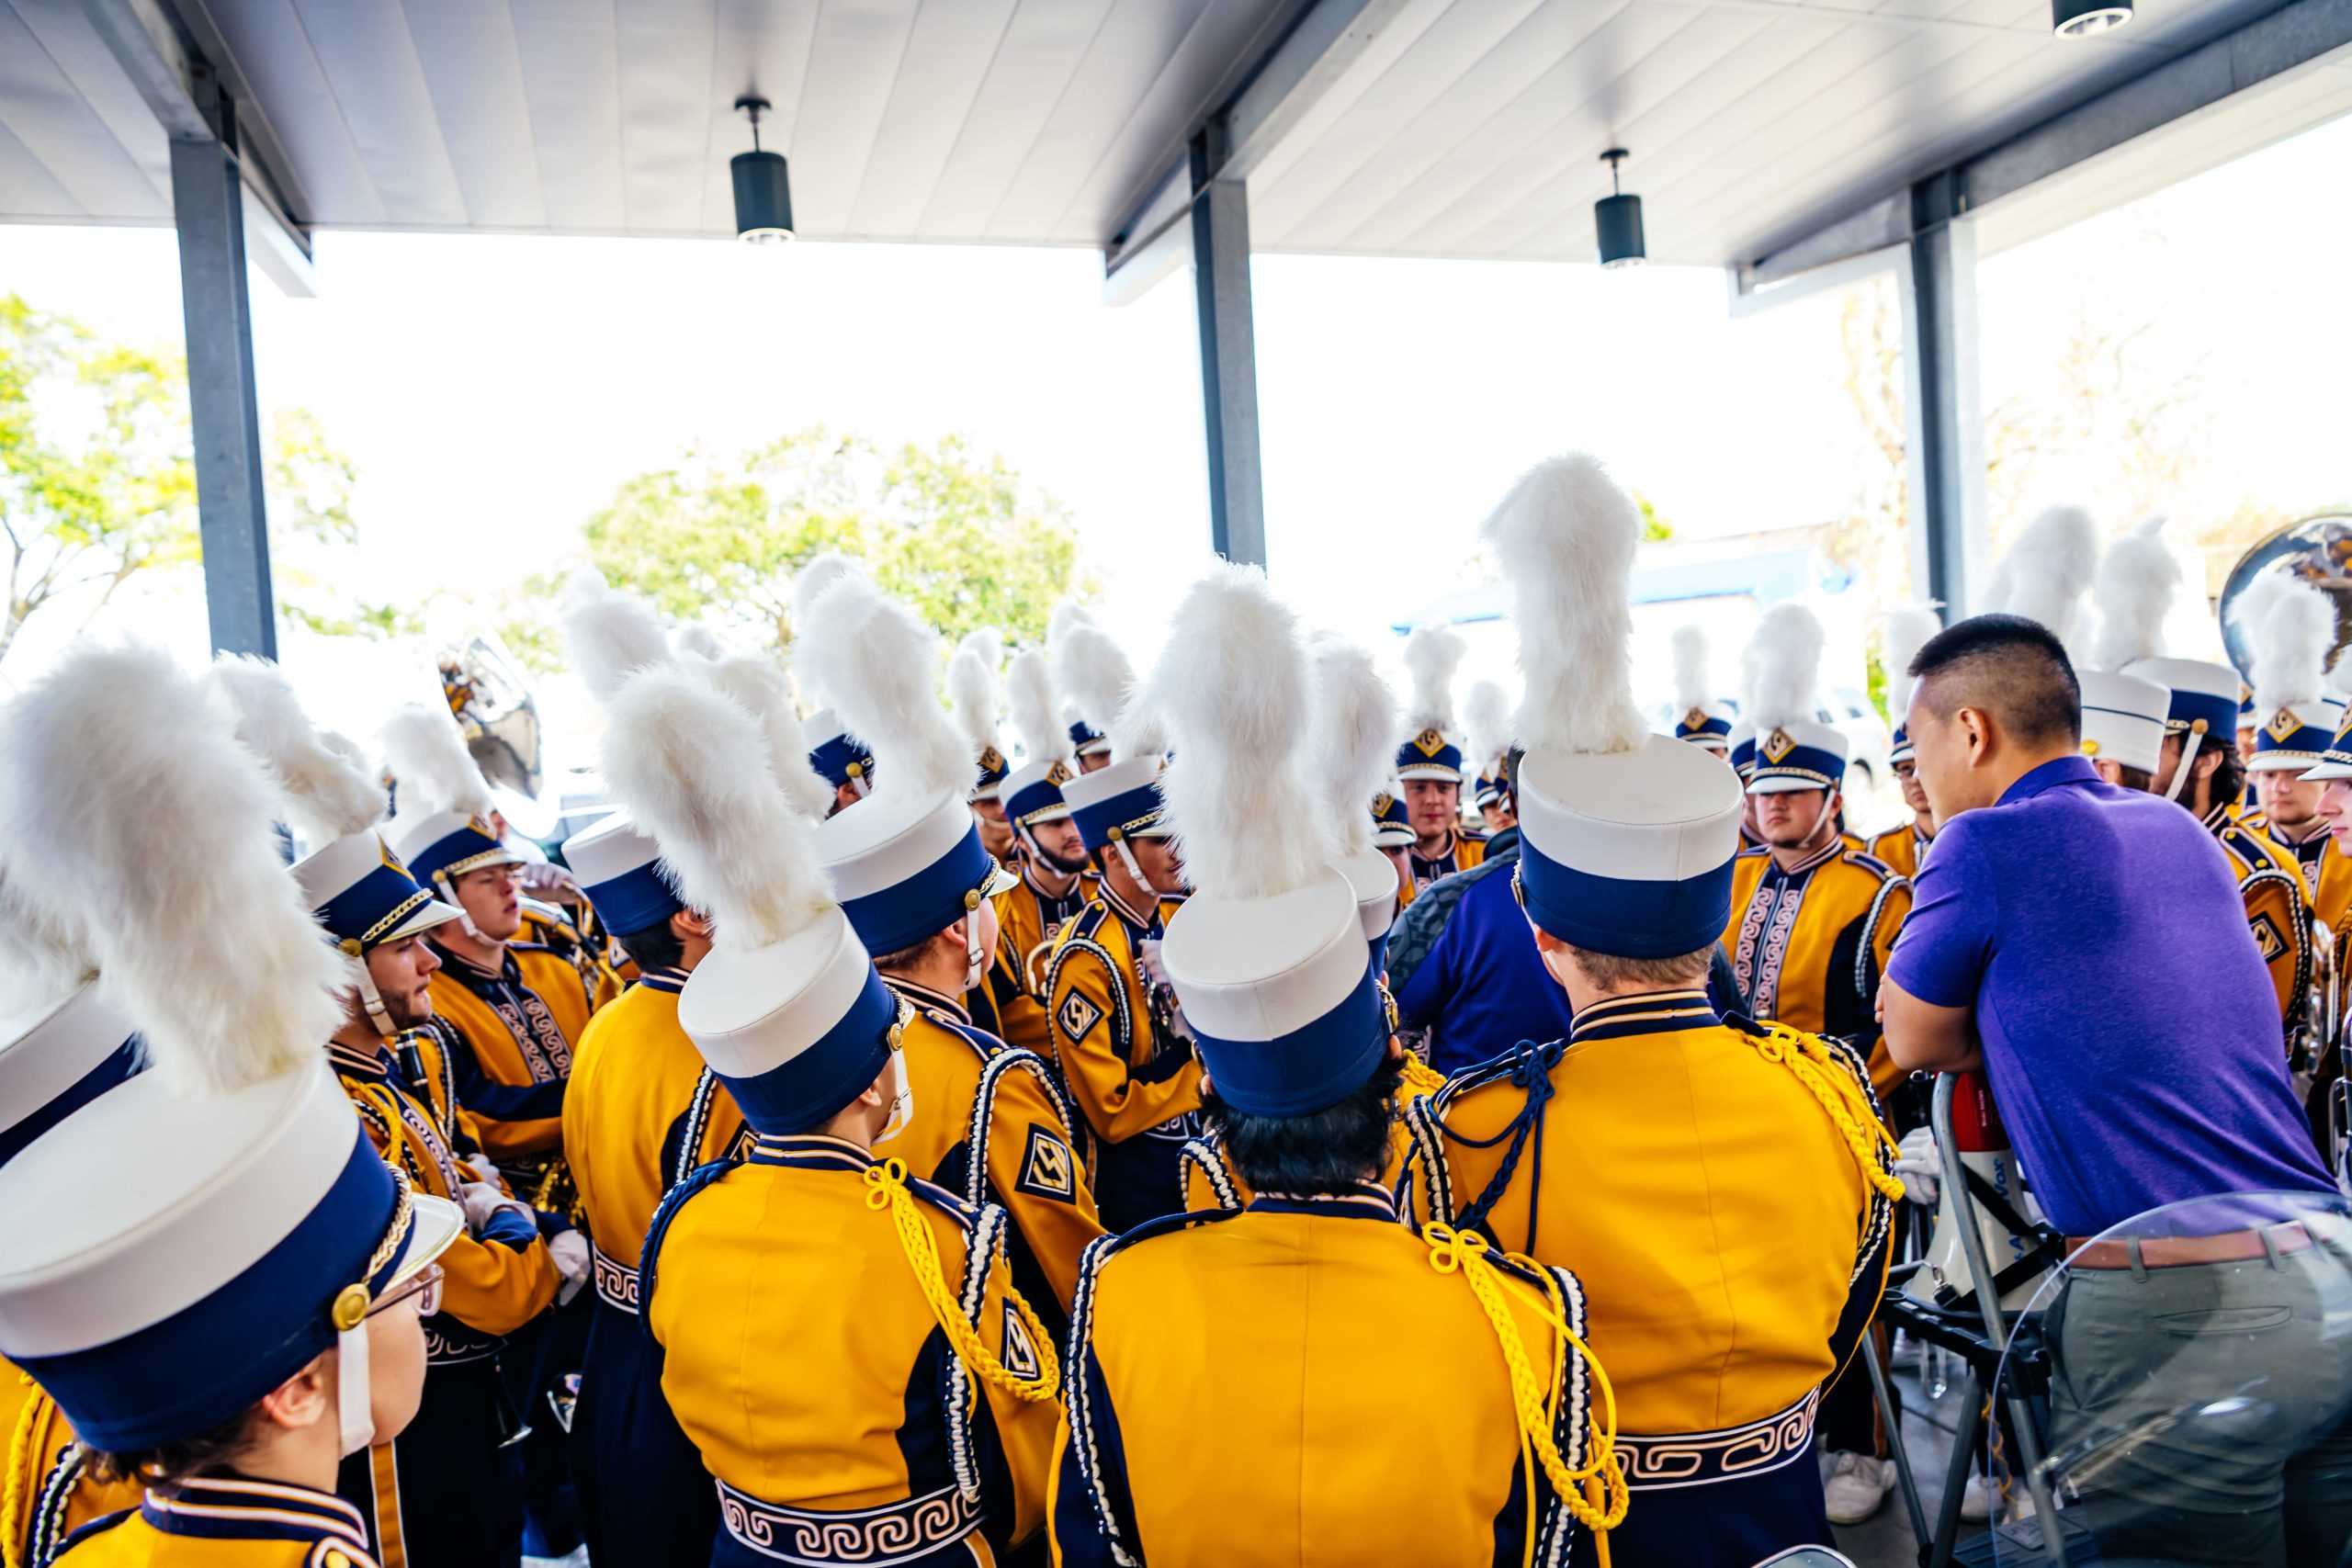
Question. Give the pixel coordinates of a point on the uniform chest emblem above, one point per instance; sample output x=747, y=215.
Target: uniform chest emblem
x=1047, y=1168
x=2283, y=725
x=1777, y=745
x=1428, y=742
x=2266, y=939
x=1078, y=1017
x=1019, y=1352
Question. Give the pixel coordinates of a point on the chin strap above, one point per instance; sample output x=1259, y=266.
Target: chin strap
x=355, y=1415
x=975, y=958
x=2192, y=745
x=1127, y=859
x=369, y=998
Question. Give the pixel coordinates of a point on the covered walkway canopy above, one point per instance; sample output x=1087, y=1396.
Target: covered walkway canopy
x=1794, y=143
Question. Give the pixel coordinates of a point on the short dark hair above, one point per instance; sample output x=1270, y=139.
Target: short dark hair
x=653, y=947
x=2011, y=668
x=2130, y=777
x=166, y=1465
x=1325, y=1152
x=2228, y=782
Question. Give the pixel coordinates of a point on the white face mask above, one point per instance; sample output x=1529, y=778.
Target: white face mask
x=902, y=1098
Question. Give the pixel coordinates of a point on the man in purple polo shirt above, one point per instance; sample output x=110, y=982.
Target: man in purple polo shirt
x=2087, y=950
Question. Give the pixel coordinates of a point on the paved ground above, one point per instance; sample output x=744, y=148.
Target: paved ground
x=1884, y=1539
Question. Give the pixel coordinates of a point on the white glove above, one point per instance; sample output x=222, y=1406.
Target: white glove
x=482, y=1199
x=1920, y=1167
x=481, y=1168
x=570, y=1250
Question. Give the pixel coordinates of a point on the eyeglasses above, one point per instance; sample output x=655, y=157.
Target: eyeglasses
x=423, y=1287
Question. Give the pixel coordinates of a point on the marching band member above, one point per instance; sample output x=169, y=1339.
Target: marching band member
x=446, y=1492
x=61, y=1045
x=228, y=1315
x=1391, y=835
x=1811, y=920
x=1429, y=761
x=2290, y=631
x=1740, y=751
x=1057, y=879
x=823, y=1316
x=510, y=1012
x=1721, y=1187
x=1486, y=715
x=1346, y=758
x=1904, y=847
x=1264, y=1319
x=1089, y=722
x=972, y=688
x=841, y=760
x=919, y=889
x=1706, y=719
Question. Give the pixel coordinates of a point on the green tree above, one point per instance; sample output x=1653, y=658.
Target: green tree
x=98, y=482
x=955, y=533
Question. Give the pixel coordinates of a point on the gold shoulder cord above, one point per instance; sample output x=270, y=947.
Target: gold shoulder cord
x=20, y=1444
x=1839, y=1095
x=1595, y=1494
x=886, y=1187
x=1420, y=1079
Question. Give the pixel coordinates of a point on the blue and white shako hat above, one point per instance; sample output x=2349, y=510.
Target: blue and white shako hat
x=1094, y=675
x=58, y=1054
x=1114, y=804
x=2201, y=708
x=2123, y=719
x=839, y=757
x=1627, y=838
x=972, y=689
x=1794, y=751
x=1701, y=716
x=1739, y=742
x=443, y=829
x=2288, y=628
x=159, y=1296
x=1345, y=757
x=618, y=867
x=786, y=1008
x=1487, y=717
x=1392, y=824
x=1268, y=957
x=329, y=795
x=1032, y=793
x=1910, y=628
x=1430, y=749
x=2336, y=762
x=1120, y=800
x=909, y=862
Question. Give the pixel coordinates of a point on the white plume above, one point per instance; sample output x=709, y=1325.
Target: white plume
x=2134, y=589
x=1432, y=655
x=44, y=954
x=986, y=644
x=972, y=689
x=610, y=636
x=133, y=822
x=1231, y=689
x=879, y=665
x=1693, y=683
x=1910, y=628
x=702, y=642
x=828, y=568
x=326, y=788
x=759, y=686
x=1788, y=644
x=1031, y=690
x=1351, y=741
x=692, y=767
x=426, y=752
x=2048, y=568
x=2290, y=643
x=1487, y=719
x=1563, y=538
x=1065, y=613
x=1096, y=673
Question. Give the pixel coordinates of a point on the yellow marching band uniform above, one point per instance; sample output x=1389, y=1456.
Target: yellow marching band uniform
x=878, y=1198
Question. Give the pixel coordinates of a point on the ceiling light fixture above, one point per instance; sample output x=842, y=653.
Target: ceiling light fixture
x=2081, y=19
x=1618, y=219
x=762, y=190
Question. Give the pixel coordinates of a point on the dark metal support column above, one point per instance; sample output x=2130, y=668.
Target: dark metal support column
x=1220, y=220
x=208, y=205
x=1944, y=414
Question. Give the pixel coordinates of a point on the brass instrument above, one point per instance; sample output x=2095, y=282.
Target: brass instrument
x=492, y=705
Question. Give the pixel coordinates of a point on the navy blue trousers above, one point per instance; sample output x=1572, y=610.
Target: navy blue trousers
x=644, y=1495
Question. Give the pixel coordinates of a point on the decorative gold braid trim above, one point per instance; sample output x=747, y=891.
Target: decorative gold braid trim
x=399, y=912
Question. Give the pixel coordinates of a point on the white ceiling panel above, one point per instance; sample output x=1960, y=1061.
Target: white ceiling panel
x=1463, y=127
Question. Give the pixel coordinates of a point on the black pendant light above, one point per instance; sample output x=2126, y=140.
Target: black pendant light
x=1618, y=219
x=762, y=190
x=2081, y=19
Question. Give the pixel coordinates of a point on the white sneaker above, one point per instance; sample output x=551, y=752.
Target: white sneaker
x=1976, y=1500
x=1857, y=1485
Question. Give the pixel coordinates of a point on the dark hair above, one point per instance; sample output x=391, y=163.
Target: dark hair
x=2228, y=782
x=2130, y=777
x=653, y=947
x=2010, y=667
x=165, y=1466
x=1327, y=1151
